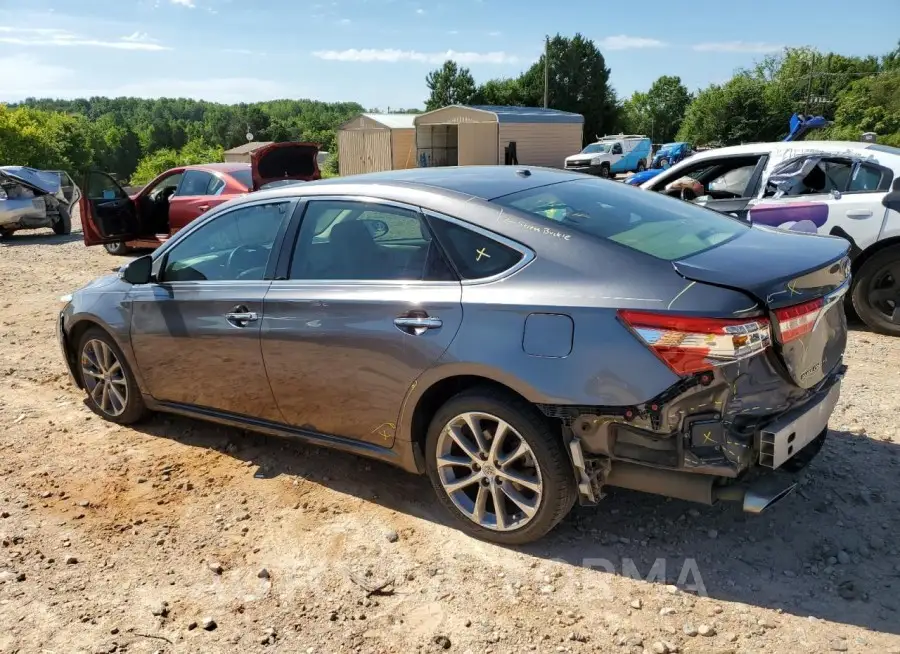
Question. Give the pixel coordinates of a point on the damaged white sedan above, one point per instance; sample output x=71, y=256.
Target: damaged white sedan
x=33, y=199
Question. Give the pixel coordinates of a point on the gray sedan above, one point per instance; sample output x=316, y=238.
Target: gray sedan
x=526, y=337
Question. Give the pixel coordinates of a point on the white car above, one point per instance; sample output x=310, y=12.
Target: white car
x=824, y=187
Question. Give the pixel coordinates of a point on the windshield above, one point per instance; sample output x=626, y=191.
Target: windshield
x=651, y=223
x=595, y=148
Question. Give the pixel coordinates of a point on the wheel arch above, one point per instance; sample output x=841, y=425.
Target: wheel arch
x=879, y=246
x=75, y=329
x=425, y=399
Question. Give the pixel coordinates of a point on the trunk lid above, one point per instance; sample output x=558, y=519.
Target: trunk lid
x=799, y=279
x=284, y=161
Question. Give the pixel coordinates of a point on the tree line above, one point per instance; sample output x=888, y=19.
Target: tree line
x=858, y=94
x=137, y=139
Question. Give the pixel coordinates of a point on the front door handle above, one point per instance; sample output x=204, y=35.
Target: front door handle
x=417, y=325
x=240, y=316
x=859, y=213
x=203, y=207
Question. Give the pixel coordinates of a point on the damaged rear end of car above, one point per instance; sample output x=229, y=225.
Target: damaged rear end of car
x=756, y=390
x=32, y=199
x=749, y=346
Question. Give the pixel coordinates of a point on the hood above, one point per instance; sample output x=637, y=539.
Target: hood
x=38, y=181
x=284, y=161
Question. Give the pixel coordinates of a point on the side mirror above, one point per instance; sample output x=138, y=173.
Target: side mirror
x=139, y=271
x=377, y=228
x=892, y=200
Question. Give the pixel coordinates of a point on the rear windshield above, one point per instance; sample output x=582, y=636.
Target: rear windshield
x=648, y=222
x=245, y=177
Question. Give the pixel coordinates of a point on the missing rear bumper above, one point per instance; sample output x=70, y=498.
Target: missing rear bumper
x=787, y=436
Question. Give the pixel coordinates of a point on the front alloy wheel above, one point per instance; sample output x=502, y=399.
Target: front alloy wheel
x=104, y=378
x=489, y=472
x=112, y=391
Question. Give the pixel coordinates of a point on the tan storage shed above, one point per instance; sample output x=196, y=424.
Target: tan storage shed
x=479, y=134
x=371, y=143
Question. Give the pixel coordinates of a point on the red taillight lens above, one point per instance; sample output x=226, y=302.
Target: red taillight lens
x=688, y=345
x=798, y=320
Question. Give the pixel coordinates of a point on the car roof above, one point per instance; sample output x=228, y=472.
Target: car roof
x=484, y=182
x=799, y=146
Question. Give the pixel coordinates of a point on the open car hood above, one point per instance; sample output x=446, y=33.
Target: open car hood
x=284, y=161
x=39, y=181
x=800, y=125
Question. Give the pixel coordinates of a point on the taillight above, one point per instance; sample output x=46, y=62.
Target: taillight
x=798, y=320
x=688, y=345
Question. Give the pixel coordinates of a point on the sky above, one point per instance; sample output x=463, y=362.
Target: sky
x=377, y=52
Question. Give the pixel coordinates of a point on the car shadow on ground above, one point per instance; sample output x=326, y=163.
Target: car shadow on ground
x=826, y=551
x=38, y=238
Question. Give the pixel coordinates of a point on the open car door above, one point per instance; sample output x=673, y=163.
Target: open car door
x=108, y=214
x=284, y=161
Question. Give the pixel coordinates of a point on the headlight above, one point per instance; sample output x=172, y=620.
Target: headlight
x=64, y=300
x=596, y=161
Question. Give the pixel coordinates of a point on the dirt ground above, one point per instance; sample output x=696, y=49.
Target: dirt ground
x=133, y=539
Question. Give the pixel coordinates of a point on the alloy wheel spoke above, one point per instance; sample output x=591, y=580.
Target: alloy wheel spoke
x=884, y=294
x=115, y=367
x=120, y=399
x=477, y=433
x=480, y=504
x=99, y=358
x=497, y=442
x=531, y=483
x=465, y=482
x=499, y=506
x=446, y=460
x=463, y=442
x=92, y=373
x=104, y=398
x=520, y=451
x=97, y=392
x=528, y=507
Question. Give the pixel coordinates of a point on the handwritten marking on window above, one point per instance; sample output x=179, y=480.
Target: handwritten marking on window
x=481, y=253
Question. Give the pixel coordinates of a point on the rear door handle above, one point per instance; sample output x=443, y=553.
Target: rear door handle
x=859, y=213
x=240, y=316
x=417, y=325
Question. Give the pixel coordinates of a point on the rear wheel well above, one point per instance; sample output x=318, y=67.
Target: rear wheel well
x=438, y=394
x=872, y=250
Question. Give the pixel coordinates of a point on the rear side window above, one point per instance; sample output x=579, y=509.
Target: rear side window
x=651, y=223
x=865, y=178
x=475, y=255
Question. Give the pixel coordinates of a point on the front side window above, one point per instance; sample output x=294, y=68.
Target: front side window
x=647, y=222
x=233, y=246
x=195, y=182
x=103, y=187
x=348, y=240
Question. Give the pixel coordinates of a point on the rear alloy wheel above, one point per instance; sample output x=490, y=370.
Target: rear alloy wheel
x=118, y=249
x=876, y=292
x=641, y=167
x=498, y=467
x=112, y=391
x=604, y=171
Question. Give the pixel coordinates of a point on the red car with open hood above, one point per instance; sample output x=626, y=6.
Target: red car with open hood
x=112, y=217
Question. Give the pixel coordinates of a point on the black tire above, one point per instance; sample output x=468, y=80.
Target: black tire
x=63, y=224
x=641, y=167
x=6, y=233
x=663, y=162
x=134, y=408
x=117, y=249
x=604, y=171
x=870, y=280
x=557, y=477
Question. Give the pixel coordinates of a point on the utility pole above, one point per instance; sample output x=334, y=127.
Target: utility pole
x=546, y=72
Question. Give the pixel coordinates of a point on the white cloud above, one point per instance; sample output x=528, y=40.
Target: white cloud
x=495, y=33
x=390, y=55
x=184, y=3
x=24, y=76
x=48, y=37
x=738, y=46
x=421, y=12
x=624, y=42
x=344, y=21
x=140, y=37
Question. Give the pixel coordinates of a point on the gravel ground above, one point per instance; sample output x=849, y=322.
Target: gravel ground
x=178, y=536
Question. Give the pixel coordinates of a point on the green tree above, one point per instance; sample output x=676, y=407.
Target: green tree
x=579, y=82
x=448, y=85
x=503, y=92
x=658, y=112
